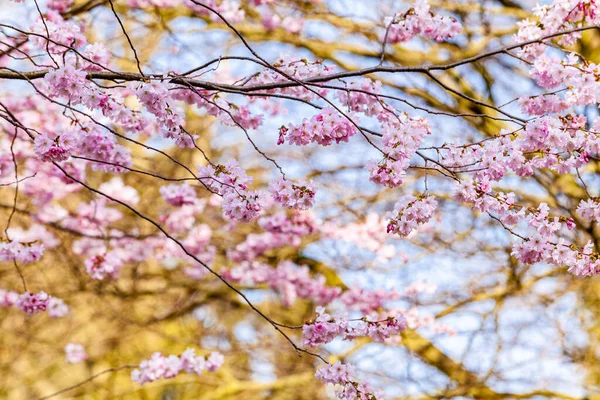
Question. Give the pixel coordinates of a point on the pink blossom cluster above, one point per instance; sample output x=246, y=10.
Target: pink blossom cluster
x=60, y=5
x=543, y=104
x=70, y=82
x=63, y=34
x=419, y=20
x=241, y=116
x=228, y=113
x=202, y=98
x=101, y=146
x=93, y=218
x=299, y=195
x=589, y=209
x=23, y=253
x=196, y=241
x=231, y=10
x=367, y=301
x=34, y=303
x=31, y=303
x=166, y=4
x=118, y=190
x=231, y=181
x=361, y=96
x=87, y=141
x=57, y=308
x=178, y=195
x=291, y=23
x=8, y=298
x=560, y=143
x=573, y=77
x=299, y=69
x=559, y=16
x=326, y=328
x=415, y=320
x=367, y=234
x=281, y=230
x=161, y=367
x=349, y=388
x=388, y=172
x=256, y=244
x=75, y=353
x=35, y=239
x=297, y=223
x=288, y=279
x=97, y=57
x=66, y=82
x=223, y=178
x=244, y=206
x=156, y=98
x=181, y=219
x=401, y=139
x=410, y=212
x=58, y=149
x=104, y=266
x=323, y=128
x=545, y=243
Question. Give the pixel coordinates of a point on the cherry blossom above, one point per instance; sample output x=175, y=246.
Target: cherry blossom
x=178, y=195
x=31, y=303
x=410, y=212
x=161, y=367
x=343, y=375
x=84, y=118
x=75, y=353
x=323, y=128
x=419, y=20
x=298, y=195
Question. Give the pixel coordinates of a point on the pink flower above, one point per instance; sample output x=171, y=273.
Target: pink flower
x=324, y=128
x=57, y=308
x=33, y=303
x=66, y=82
x=326, y=328
x=159, y=366
x=337, y=373
x=420, y=21
x=102, y=266
x=21, y=252
x=589, y=210
x=8, y=298
x=224, y=178
x=178, y=195
x=156, y=97
x=64, y=34
x=293, y=195
x=243, y=207
x=343, y=375
x=75, y=353
x=410, y=212
x=116, y=189
x=214, y=361
x=387, y=173
x=98, y=54
x=361, y=96
x=48, y=150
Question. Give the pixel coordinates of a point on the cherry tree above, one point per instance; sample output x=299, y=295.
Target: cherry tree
x=188, y=198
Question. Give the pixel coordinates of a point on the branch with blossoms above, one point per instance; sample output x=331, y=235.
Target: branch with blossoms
x=97, y=120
